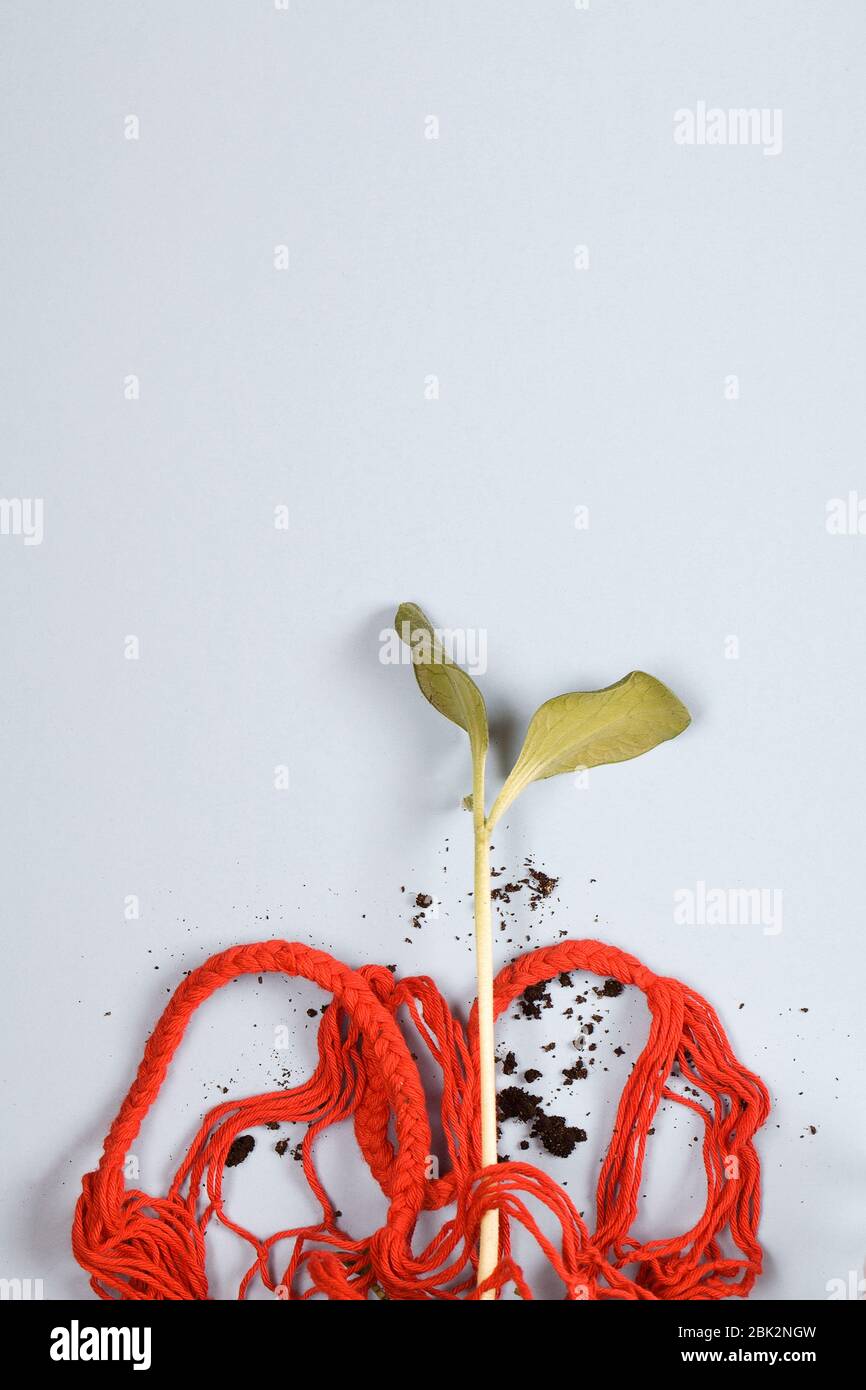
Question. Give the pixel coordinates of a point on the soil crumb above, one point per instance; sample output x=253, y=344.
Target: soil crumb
x=557, y=1137
x=576, y=1073
x=240, y=1149
x=513, y=1103
x=533, y=999
x=541, y=885
x=611, y=989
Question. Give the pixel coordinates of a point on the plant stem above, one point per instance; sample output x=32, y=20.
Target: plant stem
x=488, y=1246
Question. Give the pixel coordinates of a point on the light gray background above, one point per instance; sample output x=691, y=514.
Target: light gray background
x=559, y=388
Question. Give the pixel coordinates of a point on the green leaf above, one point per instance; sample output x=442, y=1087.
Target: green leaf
x=446, y=685
x=592, y=727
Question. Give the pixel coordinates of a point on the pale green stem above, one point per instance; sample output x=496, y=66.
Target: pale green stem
x=488, y=1249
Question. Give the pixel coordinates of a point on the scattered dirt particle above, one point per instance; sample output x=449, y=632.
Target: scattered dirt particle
x=532, y=1075
x=503, y=894
x=542, y=885
x=545, y=883
x=533, y=999
x=509, y=1066
x=576, y=1073
x=611, y=989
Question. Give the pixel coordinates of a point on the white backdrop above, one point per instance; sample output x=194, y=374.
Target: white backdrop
x=239, y=244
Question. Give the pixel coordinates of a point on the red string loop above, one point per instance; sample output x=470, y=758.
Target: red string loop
x=137, y=1246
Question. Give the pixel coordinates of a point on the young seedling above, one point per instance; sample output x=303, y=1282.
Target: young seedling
x=584, y=729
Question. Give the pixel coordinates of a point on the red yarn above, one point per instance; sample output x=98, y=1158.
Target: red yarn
x=136, y=1246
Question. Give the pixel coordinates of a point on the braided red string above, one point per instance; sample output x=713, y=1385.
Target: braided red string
x=137, y=1246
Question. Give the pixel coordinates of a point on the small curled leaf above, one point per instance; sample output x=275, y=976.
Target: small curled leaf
x=446, y=685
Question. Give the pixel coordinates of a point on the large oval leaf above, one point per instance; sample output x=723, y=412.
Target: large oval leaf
x=446, y=685
x=591, y=727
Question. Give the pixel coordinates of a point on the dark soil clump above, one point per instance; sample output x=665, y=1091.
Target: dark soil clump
x=557, y=1137
x=575, y=1073
x=513, y=1103
x=240, y=1149
x=541, y=884
x=533, y=999
x=611, y=989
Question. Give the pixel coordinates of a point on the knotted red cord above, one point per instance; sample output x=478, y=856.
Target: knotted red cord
x=137, y=1246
